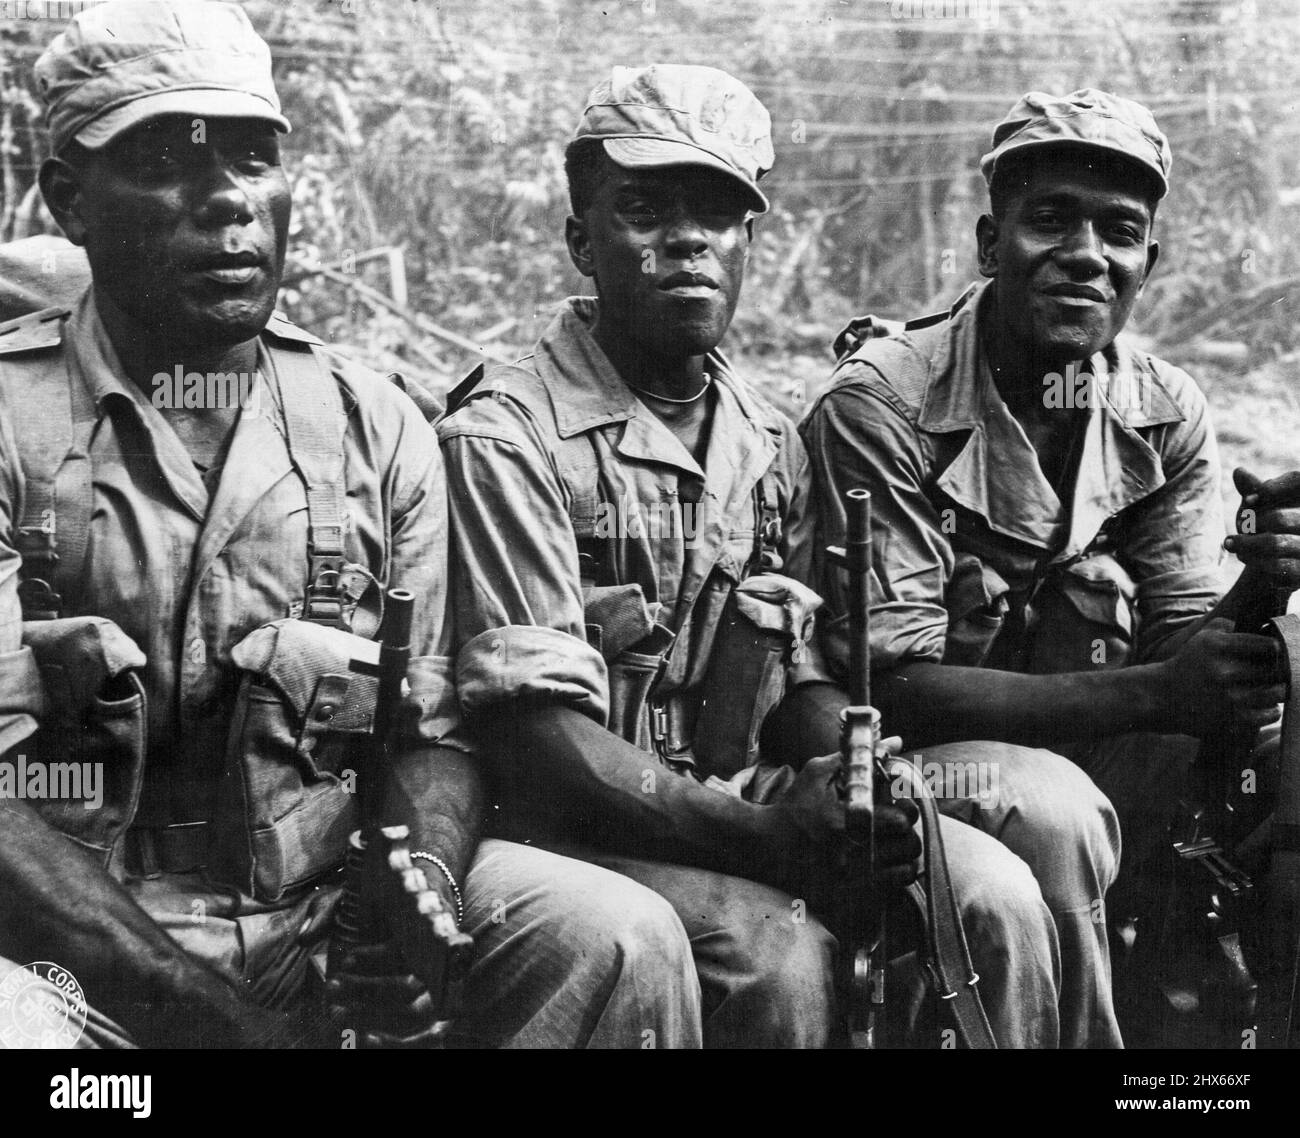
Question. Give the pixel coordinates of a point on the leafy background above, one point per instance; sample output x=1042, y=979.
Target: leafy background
x=438, y=130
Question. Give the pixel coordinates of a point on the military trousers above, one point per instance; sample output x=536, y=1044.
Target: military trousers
x=1045, y=810
x=566, y=955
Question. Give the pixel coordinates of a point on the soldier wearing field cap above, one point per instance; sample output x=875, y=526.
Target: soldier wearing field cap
x=1051, y=492
x=189, y=594
x=633, y=545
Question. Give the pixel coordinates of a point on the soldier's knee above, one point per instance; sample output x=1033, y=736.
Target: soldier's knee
x=647, y=935
x=1000, y=890
x=629, y=928
x=788, y=960
x=1056, y=819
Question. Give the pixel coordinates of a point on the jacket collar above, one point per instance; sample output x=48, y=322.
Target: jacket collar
x=997, y=474
x=587, y=393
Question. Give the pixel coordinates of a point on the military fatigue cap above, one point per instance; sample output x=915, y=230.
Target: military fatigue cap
x=1083, y=118
x=669, y=114
x=119, y=64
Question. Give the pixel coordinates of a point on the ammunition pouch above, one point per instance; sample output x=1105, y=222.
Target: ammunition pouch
x=631, y=676
x=767, y=620
x=766, y=624
x=621, y=627
x=92, y=737
x=287, y=801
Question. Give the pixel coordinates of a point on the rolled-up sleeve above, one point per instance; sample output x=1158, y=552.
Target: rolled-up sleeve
x=516, y=585
x=22, y=698
x=800, y=534
x=856, y=437
x=1172, y=539
x=419, y=556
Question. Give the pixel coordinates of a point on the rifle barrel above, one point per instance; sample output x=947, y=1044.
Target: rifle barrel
x=394, y=649
x=394, y=658
x=857, y=549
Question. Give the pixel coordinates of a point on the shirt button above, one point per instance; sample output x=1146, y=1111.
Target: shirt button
x=325, y=712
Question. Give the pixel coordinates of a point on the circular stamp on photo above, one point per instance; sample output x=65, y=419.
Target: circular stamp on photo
x=42, y=1007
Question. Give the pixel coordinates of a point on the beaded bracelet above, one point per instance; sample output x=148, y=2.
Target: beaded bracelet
x=455, y=889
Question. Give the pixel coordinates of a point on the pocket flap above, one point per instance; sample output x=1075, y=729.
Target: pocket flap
x=622, y=614
x=1100, y=591
x=78, y=655
x=311, y=666
x=975, y=587
x=777, y=603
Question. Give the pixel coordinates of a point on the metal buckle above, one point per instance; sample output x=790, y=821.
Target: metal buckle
x=327, y=540
x=323, y=610
x=324, y=601
x=38, y=599
x=659, y=724
x=937, y=981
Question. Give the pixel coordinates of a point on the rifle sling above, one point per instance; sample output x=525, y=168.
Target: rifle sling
x=955, y=979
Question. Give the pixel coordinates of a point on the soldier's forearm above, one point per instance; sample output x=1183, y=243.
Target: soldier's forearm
x=57, y=903
x=936, y=703
x=577, y=782
x=1252, y=599
x=439, y=794
x=805, y=724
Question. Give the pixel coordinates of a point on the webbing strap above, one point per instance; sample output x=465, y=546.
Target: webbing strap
x=314, y=425
x=767, y=526
x=53, y=419
x=955, y=979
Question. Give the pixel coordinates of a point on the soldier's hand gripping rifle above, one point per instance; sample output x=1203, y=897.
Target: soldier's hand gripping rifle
x=379, y=869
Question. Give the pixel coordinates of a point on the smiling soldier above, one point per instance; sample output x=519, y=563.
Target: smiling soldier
x=1051, y=571
x=215, y=575
x=620, y=675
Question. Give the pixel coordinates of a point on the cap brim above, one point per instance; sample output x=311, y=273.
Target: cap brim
x=653, y=153
x=204, y=103
x=989, y=163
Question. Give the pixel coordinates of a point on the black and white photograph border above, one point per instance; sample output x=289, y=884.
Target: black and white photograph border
x=431, y=234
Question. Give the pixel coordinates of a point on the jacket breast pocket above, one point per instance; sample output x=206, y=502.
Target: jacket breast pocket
x=1085, y=617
